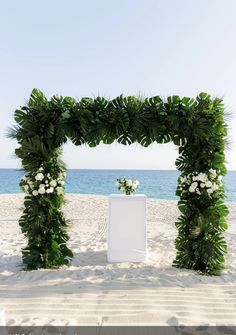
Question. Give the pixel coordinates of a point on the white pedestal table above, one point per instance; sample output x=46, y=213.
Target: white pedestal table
x=127, y=241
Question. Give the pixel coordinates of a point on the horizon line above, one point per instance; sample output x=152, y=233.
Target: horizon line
x=112, y=169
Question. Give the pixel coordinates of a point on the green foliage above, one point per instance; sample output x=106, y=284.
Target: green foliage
x=197, y=126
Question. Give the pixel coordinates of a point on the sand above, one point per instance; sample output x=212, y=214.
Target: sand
x=92, y=292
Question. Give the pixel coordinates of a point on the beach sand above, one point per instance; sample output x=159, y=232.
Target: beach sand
x=92, y=292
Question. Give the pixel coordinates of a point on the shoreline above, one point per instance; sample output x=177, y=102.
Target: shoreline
x=101, y=195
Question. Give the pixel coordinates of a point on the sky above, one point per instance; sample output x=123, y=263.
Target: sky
x=103, y=47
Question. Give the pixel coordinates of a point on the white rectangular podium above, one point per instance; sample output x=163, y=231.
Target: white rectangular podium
x=127, y=241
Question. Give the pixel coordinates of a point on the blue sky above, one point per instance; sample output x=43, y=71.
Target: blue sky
x=89, y=48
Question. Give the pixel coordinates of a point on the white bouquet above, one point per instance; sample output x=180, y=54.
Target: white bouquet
x=209, y=183
x=42, y=183
x=128, y=186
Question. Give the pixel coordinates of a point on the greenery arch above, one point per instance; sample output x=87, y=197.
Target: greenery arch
x=197, y=126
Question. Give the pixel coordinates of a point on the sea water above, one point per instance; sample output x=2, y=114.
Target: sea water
x=159, y=184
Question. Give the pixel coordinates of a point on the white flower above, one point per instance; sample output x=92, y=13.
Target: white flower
x=41, y=185
x=62, y=182
x=129, y=182
x=194, y=185
x=202, y=177
x=194, y=178
x=117, y=184
x=213, y=173
x=40, y=169
x=53, y=183
x=41, y=190
x=60, y=190
x=208, y=183
x=39, y=176
x=24, y=178
x=202, y=185
x=220, y=178
x=136, y=182
x=209, y=191
x=198, y=191
x=50, y=190
x=35, y=193
x=214, y=187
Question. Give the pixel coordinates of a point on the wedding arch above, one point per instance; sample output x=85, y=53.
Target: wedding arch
x=197, y=126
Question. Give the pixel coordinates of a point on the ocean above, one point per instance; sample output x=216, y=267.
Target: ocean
x=158, y=184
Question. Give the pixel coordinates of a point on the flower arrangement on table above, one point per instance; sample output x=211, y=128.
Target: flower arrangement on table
x=40, y=183
x=128, y=186
x=208, y=184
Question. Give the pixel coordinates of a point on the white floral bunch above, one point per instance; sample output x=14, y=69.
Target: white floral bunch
x=201, y=183
x=41, y=183
x=128, y=186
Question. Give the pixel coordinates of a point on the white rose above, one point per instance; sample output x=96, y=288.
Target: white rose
x=191, y=189
x=41, y=190
x=135, y=183
x=214, y=187
x=35, y=193
x=41, y=185
x=209, y=191
x=202, y=177
x=50, y=190
x=62, y=182
x=198, y=191
x=60, y=190
x=208, y=183
x=220, y=178
x=39, y=176
x=129, y=182
x=194, y=185
x=202, y=185
x=53, y=183
x=213, y=173
x=41, y=169
x=194, y=178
